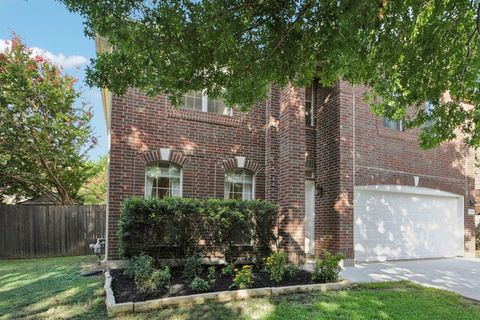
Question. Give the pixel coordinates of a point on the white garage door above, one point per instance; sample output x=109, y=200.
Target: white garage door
x=400, y=222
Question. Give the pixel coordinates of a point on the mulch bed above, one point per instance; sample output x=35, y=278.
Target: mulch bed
x=125, y=291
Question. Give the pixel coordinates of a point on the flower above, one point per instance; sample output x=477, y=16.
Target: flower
x=38, y=59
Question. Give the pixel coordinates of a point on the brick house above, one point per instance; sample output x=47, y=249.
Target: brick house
x=345, y=180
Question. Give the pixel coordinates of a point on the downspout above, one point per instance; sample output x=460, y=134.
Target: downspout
x=354, y=137
x=107, y=207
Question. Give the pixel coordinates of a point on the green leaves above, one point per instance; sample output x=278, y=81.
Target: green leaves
x=181, y=226
x=408, y=52
x=44, y=137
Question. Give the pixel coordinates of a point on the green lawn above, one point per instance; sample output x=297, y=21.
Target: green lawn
x=49, y=289
x=52, y=289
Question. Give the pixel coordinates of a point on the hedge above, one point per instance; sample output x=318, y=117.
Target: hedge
x=180, y=227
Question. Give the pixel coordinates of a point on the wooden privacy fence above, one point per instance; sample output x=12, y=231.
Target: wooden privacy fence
x=35, y=231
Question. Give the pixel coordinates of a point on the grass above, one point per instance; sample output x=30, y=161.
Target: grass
x=49, y=289
x=53, y=289
x=398, y=300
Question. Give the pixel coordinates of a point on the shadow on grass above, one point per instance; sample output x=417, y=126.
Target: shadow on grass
x=49, y=289
x=401, y=300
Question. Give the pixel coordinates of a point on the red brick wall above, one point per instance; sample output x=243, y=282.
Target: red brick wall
x=141, y=126
x=276, y=143
x=387, y=156
x=291, y=159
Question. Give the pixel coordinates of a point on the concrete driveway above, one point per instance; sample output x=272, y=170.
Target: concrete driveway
x=460, y=275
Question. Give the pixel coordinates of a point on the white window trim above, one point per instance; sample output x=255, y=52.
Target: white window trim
x=243, y=193
x=400, y=122
x=312, y=106
x=205, y=107
x=181, y=180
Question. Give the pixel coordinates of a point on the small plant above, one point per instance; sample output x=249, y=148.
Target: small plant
x=192, y=267
x=212, y=275
x=228, y=270
x=146, y=276
x=199, y=285
x=291, y=270
x=243, y=278
x=162, y=277
x=328, y=268
x=276, y=265
x=139, y=265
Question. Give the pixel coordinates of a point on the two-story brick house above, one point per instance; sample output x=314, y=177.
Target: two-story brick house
x=346, y=181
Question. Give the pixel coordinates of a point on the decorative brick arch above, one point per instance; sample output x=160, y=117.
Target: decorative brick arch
x=165, y=154
x=241, y=163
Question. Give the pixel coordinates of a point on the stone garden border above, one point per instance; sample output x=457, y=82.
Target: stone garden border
x=114, y=308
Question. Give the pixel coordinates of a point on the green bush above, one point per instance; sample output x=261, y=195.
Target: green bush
x=161, y=277
x=192, y=266
x=229, y=269
x=328, y=268
x=146, y=276
x=276, y=265
x=291, y=270
x=243, y=278
x=199, y=285
x=212, y=275
x=176, y=225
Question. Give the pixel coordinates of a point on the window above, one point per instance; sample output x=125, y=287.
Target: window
x=162, y=179
x=428, y=107
x=393, y=124
x=239, y=185
x=196, y=100
x=309, y=104
x=193, y=100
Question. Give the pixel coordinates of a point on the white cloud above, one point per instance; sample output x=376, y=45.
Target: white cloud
x=57, y=59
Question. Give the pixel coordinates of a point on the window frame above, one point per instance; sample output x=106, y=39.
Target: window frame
x=243, y=170
x=312, y=105
x=400, y=127
x=205, y=106
x=170, y=164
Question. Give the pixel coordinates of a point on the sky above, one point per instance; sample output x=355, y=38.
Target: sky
x=49, y=28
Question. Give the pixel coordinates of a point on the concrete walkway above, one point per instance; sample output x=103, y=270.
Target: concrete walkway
x=460, y=275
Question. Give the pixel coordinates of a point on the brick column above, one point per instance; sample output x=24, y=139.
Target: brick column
x=272, y=116
x=334, y=170
x=291, y=160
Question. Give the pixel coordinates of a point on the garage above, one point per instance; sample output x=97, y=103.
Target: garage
x=405, y=222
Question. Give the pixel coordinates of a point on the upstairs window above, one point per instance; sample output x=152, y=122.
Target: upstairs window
x=393, y=124
x=162, y=179
x=239, y=185
x=309, y=104
x=428, y=107
x=196, y=100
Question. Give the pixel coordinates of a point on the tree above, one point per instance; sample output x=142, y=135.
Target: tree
x=44, y=138
x=407, y=52
x=94, y=191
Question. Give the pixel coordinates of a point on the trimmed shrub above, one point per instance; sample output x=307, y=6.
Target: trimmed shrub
x=175, y=226
x=327, y=269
